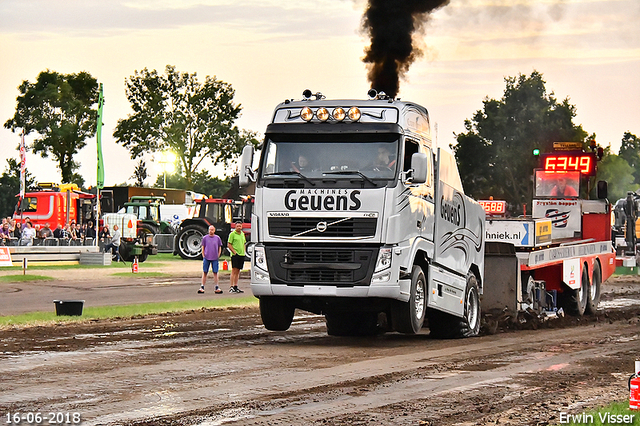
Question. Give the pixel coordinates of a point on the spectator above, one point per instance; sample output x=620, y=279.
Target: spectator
x=73, y=231
x=17, y=230
x=64, y=233
x=58, y=232
x=91, y=230
x=236, y=245
x=46, y=231
x=28, y=234
x=211, y=250
x=5, y=233
x=105, y=234
x=114, y=245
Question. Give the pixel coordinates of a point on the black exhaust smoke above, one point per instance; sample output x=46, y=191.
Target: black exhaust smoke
x=391, y=25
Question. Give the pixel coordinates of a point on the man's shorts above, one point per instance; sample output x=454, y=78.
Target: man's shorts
x=237, y=261
x=213, y=263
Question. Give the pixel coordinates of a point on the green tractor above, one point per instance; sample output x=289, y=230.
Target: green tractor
x=147, y=210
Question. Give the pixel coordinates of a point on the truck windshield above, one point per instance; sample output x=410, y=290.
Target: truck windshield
x=336, y=159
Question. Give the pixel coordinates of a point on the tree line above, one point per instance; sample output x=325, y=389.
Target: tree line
x=171, y=112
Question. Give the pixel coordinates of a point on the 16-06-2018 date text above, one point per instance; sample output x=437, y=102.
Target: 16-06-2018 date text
x=38, y=418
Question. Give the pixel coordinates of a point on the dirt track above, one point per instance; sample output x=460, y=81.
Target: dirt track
x=215, y=367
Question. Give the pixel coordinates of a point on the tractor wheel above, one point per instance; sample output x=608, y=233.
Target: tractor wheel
x=189, y=241
x=145, y=230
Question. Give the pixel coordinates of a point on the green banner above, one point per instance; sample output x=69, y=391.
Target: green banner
x=100, y=180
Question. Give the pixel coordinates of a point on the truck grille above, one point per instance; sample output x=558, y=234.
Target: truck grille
x=313, y=265
x=307, y=227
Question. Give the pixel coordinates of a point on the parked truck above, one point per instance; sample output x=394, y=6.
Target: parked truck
x=359, y=218
x=61, y=204
x=356, y=214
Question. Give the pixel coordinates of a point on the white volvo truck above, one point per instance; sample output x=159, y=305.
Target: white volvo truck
x=357, y=215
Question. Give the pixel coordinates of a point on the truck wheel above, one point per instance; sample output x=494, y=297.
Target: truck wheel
x=276, y=313
x=408, y=317
x=143, y=257
x=189, y=240
x=594, y=290
x=446, y=326
x=352, y=323
x=125, y=253
x=575, y=302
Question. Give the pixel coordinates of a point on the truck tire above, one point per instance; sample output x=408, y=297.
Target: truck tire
x=594, y=290
x=352, y=323
x=276, y=313
x=125, y=252
x=446, y=326
x=408, y=317
x=574, y=302
x=188, y=241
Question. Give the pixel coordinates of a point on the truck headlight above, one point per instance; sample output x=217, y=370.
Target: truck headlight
x=260, y=258
x=384, y=259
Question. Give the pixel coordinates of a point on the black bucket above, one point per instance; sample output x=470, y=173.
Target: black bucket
x=69, y=307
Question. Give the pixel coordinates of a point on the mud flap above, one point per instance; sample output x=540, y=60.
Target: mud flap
x=501, y=280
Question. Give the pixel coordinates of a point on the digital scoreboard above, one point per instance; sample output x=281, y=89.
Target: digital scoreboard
x=583, y=162
x=494, y=206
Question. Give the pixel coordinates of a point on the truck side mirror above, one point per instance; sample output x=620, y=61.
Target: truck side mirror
x=602, y=189
x=246, y=161
x=420, y=167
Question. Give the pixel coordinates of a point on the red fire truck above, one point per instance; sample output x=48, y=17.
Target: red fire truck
x=56, y=204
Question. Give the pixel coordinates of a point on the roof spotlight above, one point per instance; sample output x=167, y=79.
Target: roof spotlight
x=354, y=114
x=306, y=94
x=339, y=114
x=372, y=93
x=306, y=114
x=322, y=114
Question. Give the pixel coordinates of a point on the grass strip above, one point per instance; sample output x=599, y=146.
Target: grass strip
x=21, y=278
x=123, y=311
x=617, y=413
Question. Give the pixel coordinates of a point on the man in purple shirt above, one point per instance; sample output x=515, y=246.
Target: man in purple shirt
x=211, y=250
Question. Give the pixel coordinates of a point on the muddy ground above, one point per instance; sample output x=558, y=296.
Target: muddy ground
x=213, y=367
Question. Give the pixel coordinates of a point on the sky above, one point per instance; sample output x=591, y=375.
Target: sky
x=271, y=50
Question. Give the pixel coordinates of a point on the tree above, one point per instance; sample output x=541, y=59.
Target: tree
x=176, y=112
x=618, y=174
x=140, y=173
x=10, y=184
x=58, y=107
x=495, y=154
x=630, y=151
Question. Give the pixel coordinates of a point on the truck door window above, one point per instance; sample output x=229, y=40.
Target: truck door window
x=410, y=148
x=29, y=204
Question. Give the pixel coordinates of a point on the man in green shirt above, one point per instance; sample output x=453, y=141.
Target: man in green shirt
x=236, y=245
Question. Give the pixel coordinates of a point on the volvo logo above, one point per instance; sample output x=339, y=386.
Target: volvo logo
x=321, y=226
